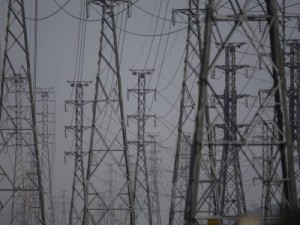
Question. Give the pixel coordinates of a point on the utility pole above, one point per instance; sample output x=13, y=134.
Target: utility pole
x=108, y=141
x=45, y=99
x=78, y=184
x=154, y=173
x=236, y=17
x=141, y=191
x=16, y=68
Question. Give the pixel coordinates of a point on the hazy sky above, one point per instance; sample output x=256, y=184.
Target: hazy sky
x=148, y=39
x=56, y=52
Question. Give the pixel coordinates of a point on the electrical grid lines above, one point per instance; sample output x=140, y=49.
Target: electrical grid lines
x=239, y=17
x=227, y=141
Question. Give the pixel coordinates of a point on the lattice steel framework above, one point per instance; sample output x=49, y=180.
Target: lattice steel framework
x=270, y=178
x=183, y=171
x=18, y=204
x=45, y=101
x=141, y=191
x=235, y=21
x=108, y=143
x=16, y=68
x=294, y=103
x=78, y=128
x=231, y=192
x=110, y=194
x=290, y=28
x=154, y=171
x=195, y=16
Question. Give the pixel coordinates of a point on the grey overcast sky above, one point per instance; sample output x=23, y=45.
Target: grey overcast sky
x=148, y=39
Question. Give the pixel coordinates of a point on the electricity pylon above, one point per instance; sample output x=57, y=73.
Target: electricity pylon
x=269, y=161
x=110, y=181
x=294, y=103
x=108, y=142
x=290, y=27
x=45, y=101
x=154, y=173
x=236, y=21
x=16, y=72
x=195, y=21
x=231, y=191
x=182, y=182
x=141, y=191
x=78, y=128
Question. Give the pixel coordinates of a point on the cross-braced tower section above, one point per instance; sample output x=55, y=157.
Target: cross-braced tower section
x=45, y=102
x=108, y=142
x=154, y=172
x=294, y=103
x=195, y=19
x=231, y=191
x=77, y=128
x=231, y=22
x=18, y=125
x=141, y=191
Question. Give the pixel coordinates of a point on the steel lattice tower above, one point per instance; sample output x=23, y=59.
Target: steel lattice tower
x=45, y=101
x=108, y=143
x=288, y=20
x=271, y=180
x=195, y=17
x=153, y=174
x=231, y=193
x=110, y=181
x=16, y=67
x=78, y=184
x=272, y=183
x=183, y=171
x=18, y=207
x=30, y=195
x=294, y=103
x=141, y=191
x=232, y=21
